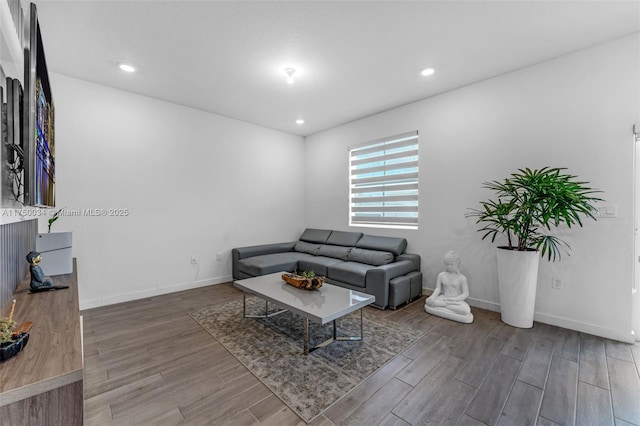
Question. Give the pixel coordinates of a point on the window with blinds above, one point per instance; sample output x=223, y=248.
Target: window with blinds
x=383, y=188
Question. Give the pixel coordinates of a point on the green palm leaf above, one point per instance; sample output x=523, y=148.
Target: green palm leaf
x=529, y=201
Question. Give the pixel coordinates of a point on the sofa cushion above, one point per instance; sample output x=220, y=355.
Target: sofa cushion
x=305, y=247
x=341, y=238
x=317, y=264
x=271, y=263
x=371, y=257
x=318, y=236
x=349, y=272
x=339, y=252
x=373, y=242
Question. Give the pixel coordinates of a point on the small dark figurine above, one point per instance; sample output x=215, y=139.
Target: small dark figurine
x=39, y=281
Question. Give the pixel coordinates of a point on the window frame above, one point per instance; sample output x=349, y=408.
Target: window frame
x=389, y=191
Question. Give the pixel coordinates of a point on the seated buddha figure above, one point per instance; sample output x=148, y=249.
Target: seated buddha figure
x=447, y=300
x=39, y=281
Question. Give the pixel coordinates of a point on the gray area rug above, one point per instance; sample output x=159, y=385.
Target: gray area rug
x=272, y=350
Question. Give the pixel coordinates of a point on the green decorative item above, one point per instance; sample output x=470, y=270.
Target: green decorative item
x=6, y=330
x=308, y=274
x=12, y=340
x=530, y=203
x=53, y=218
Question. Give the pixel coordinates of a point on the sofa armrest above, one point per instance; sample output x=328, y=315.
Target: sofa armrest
x=251, y=251
x=377, y=279
x=414, y=258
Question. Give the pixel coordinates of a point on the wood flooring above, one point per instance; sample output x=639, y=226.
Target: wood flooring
x=148, y=362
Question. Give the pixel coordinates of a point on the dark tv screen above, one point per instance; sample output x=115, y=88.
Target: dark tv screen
x=40, y=179
x=45, y=164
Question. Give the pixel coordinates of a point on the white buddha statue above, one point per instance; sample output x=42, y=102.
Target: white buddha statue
x=447, y=300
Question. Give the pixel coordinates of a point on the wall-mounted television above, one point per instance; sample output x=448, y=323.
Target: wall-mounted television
x=39, y=118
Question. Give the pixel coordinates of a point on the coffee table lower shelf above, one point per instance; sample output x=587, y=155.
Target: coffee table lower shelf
x=329, y=303
x=305, y=327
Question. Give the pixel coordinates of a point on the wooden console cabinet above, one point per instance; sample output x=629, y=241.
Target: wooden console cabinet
x=43, y=384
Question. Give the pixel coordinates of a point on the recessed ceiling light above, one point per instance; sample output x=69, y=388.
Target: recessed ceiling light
x=290, y=73
x=299, y=121
x=427, y=71
x=126, y=67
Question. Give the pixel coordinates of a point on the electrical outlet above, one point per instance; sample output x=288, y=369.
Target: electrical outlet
x=218, y=256
x=556, y=283
x=193, y=259
x=607, y=211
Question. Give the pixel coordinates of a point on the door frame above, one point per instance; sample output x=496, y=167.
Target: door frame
x=635, y=289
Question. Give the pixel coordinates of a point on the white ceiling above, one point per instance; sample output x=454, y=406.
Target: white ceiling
x=356, y=58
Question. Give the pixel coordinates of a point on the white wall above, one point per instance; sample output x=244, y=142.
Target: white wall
x=194, y=183
x=575, y=111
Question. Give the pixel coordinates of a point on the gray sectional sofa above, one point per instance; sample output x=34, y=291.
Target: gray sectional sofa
x=367, y=263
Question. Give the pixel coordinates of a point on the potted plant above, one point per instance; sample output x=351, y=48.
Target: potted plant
x=529, y=205
x=6, y=330
x=12, y=341
x=52, y=219
x=56, y=248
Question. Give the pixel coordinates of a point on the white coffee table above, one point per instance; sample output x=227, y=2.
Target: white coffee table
x=328, y=303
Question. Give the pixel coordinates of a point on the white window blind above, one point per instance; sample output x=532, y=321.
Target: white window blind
x=383, y=190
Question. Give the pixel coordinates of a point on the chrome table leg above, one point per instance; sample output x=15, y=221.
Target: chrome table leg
x=266, y=309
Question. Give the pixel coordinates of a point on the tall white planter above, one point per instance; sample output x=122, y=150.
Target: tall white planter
x=518, y=280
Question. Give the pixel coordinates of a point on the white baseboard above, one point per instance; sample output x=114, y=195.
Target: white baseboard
x=568, y=323
x=563, y=322
x=483, y=304
x=134, y=295
x=584, y=327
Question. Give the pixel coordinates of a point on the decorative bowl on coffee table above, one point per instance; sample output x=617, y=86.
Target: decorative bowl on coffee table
x=303, y=282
